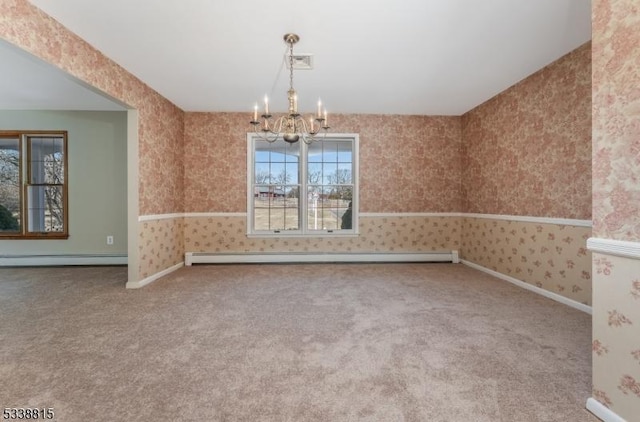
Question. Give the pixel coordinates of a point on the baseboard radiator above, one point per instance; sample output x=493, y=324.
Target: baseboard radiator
x=301, y=257
x=62, y=259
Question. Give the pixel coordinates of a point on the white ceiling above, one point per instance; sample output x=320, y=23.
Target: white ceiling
x=437, y=57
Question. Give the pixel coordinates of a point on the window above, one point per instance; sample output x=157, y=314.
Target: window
x=300, y=189
x=33, y=185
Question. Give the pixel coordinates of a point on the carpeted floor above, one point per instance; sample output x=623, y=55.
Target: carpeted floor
x=346, y=342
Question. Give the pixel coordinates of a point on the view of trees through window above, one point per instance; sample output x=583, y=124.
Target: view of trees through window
x=322, y=173
x=32, y=185
x=10, y=208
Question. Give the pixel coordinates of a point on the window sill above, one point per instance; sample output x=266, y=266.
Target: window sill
x=34, y=237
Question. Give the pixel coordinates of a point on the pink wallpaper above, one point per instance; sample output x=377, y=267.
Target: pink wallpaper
x=616, y=119
x=407, y=163
x=160, y=122
x=527, y=151
x=616, y=204
x=216, y=162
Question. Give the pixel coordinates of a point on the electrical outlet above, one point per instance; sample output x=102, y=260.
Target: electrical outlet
x=109, y=240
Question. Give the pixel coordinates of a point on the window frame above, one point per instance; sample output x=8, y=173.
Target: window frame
x=303, y=208
x=25, y=171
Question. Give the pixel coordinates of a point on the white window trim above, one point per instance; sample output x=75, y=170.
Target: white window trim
x=353, y=232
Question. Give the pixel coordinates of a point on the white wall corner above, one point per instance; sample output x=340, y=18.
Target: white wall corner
x=141, y=283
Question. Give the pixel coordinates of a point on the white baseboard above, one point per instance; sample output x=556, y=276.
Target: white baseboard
x=602, y=411
x=554, y=296
x=58, y=260
x=141, y=283
x=253, y=258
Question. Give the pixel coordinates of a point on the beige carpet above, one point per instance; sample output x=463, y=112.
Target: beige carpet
x=347, y=342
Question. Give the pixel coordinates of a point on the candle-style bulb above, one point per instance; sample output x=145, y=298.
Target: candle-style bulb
x=319, y=108
x=255, y=112
x=266, y=105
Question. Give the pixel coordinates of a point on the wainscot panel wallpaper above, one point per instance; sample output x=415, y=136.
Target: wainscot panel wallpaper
x=616, y=343
x=550, y=256
x=160, y=245
x=377, y=234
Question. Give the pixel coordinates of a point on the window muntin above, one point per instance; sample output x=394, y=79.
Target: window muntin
x=281, y=174
x=41, y=187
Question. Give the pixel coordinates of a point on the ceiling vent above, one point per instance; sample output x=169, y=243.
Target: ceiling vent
x=301, y=61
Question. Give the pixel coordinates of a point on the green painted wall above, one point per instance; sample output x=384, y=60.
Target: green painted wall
x=97, y=149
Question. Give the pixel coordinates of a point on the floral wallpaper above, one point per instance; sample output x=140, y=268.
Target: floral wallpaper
x=550, y=256
x=160, y=245
x=616, y=204
x=616, y=119
x=527, y=151
x=377, y=234
x=161, y=159
x=216, y=162
x=407, y=163
x=616, y=338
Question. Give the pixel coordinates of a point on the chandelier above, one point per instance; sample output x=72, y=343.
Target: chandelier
x=291, y=127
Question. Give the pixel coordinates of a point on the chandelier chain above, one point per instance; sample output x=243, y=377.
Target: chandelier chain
x=290, y=65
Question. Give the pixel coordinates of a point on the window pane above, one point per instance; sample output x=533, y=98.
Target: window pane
x=47, y=160
x=262, y=175
x=280, y=214
x=10, y=216
x=262, y=156
x=314, y=152
x=45, y=211
x=292, y=172
x=329, y=173
x=314, y=173
x=344, y=173
x=330, y=178
x=344, y=152
x=276, y=190
x=261, y=209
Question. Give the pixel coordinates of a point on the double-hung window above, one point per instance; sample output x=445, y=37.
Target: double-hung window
x=33, y=185
x=302, y=189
